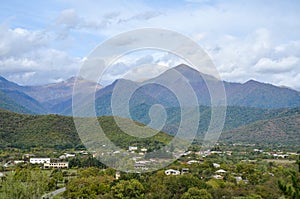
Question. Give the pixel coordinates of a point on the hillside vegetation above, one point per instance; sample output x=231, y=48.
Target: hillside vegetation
x=283, y=130
x=24, y=131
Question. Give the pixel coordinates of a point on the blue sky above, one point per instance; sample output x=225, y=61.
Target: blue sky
x=47, y=41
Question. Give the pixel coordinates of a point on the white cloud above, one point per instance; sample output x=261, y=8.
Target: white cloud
x=27, y=58
x=242, y=38
x=43, y=66
x=267, y=65
x=17, y=41
x=257, y=56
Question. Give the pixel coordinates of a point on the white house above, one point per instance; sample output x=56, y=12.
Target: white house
x=18, y=161
x=132, y=148
x=216, y=165
x=39, y=160
x=221, y=171
x=172, y=172
x=56, y=165
x=217, y=177
x=118, y=175
x=238, y=179
x=70, y=155
x=193, y=162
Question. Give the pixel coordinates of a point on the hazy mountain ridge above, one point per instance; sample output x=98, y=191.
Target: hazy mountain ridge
x=45, y=98
x=57, y=97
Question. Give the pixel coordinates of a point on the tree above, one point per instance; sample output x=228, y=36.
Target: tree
x=128, y=189
x=25, y=183
x=57, y=176
x=291, y=189
x=195, y=193
x=90, y=187
x=298, y=162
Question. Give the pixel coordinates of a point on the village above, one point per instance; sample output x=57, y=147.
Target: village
x=187, y=158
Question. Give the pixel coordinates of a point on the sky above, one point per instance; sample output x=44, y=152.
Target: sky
x=47, y=41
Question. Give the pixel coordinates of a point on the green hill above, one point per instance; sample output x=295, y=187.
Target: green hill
x=283, y=130
x=54, y=131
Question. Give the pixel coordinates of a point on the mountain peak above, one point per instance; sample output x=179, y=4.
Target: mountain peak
x=251, y=81
x=185, y=68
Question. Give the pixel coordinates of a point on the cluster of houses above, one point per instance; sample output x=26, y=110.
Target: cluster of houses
x=177, y=172
x=48, y=164
x=276, y=154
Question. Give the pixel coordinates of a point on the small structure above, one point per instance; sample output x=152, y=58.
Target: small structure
x=217, y=177
x=221, y=171
x=1, y=176
x=57, y=165
x=18, y=161
x=216, y=165
x=144, y=150
x=172, y=172
x=70, y=155
x=238, y=179
x=39, y=160
x=193, y=162
x=185, y=171
x=132, y=148
x=118, y=175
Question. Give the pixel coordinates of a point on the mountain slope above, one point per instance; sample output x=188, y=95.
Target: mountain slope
x=26, y=101
x=261, y=95
x=8, y=104
x=24, y=131
x=53, y=96
x=50, y=98
x=282, y=130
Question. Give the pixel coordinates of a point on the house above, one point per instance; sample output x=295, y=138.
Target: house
x=216, y=165
x=1, y=176
x=193, y=162
x=172, y=172
x=144, y=150
x=217, y=177
x=18, y=161
x=238, y=179
x=185, y=170
x=118, y=175
x=221, y=171
x=39, y=160
x=70, y=155
x=132, y=148
x=58, y=165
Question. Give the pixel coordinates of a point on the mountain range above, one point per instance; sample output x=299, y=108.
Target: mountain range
x=56, y=98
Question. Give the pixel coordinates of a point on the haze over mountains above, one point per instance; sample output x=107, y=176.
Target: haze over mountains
x=57, y=98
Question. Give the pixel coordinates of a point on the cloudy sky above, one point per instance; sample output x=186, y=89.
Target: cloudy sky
x=47, y=41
